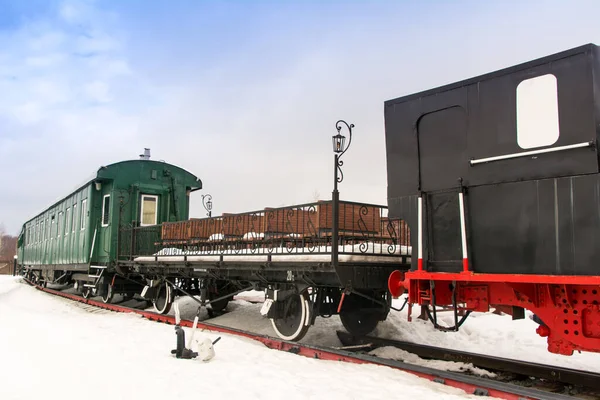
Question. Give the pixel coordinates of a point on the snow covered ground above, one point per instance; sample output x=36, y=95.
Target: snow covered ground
x=484, y=333
x=59, y=348
x=53, y=348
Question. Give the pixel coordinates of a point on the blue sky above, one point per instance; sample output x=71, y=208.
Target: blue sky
x=244, y=94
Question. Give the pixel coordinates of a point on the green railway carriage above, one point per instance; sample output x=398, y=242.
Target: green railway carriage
x=81, y=230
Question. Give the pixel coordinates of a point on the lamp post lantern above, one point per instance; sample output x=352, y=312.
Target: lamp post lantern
x=207, y=203
x=339, y=148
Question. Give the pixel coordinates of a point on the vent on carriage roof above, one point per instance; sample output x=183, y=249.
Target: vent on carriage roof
x=146, y=155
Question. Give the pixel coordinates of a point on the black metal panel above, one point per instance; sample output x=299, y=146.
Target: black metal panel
x=443, y=240
x=549, y=227
x=494, y=129
x=490, y=105
x=442, y=137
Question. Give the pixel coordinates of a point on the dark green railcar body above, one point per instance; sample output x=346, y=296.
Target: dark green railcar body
x=82, y=228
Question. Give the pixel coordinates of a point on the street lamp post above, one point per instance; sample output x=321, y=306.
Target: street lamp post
x=207, y=203
x=339, y=148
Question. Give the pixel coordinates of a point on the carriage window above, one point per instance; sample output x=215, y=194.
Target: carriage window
x=60, y=224
x=52, y=229
x=537, y=112
x=83, y=215
x=105, y=209
x=67, y=221
x=74, y=217
x=149, y=210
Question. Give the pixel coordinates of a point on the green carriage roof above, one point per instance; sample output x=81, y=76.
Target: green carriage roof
x=108, y=172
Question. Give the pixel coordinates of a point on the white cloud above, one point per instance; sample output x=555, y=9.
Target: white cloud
x=95, y=41
x=28, y=113
x=59, y=110
x=44, y=61
x=97, y=91
x=41, y=38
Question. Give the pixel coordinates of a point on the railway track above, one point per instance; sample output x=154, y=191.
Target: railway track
x=469, y=383
x=523, y=372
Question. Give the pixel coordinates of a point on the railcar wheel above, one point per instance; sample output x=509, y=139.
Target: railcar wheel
x=162, y=302
x=218, y=306
x=358, y=322
x=108, y=294
x=359, y=315
x=295, y=323
x=128, y=296
x=86, y=292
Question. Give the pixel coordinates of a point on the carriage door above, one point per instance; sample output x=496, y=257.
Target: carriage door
x=442, y=149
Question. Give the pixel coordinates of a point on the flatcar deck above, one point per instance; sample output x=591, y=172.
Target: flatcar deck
x=284, y=258
x=296, y=239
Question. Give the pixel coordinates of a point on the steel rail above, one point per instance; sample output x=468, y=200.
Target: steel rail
x=470, y=384
x=548, y=372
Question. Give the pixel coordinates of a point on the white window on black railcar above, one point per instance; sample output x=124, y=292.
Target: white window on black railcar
x=537, y=112
x=149, y=211
x=105, y=209
x=83, y=213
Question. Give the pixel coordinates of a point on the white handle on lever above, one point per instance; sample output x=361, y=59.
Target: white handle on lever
x=177, y=314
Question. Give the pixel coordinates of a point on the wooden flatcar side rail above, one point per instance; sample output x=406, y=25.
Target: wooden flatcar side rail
x=300, y=229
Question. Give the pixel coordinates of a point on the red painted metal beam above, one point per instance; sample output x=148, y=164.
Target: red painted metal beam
x=569, y=306
x=506, y=278
x=295, y=348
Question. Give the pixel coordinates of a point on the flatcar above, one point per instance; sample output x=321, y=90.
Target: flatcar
x=498, y=175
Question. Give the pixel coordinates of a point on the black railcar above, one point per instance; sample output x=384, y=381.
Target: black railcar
x=498, y=175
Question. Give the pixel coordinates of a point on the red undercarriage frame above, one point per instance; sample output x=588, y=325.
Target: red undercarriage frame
x=569, y=306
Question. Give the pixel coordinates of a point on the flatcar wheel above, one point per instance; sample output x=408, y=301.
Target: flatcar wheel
x=360, y=322
x=162, y=302
x=359, y=315
x=216, y=306
x=108, y=295
x=128, y=296
x=294, y=324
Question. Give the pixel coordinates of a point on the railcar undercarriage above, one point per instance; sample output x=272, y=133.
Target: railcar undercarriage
x=295, y=294
x=567, y=308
